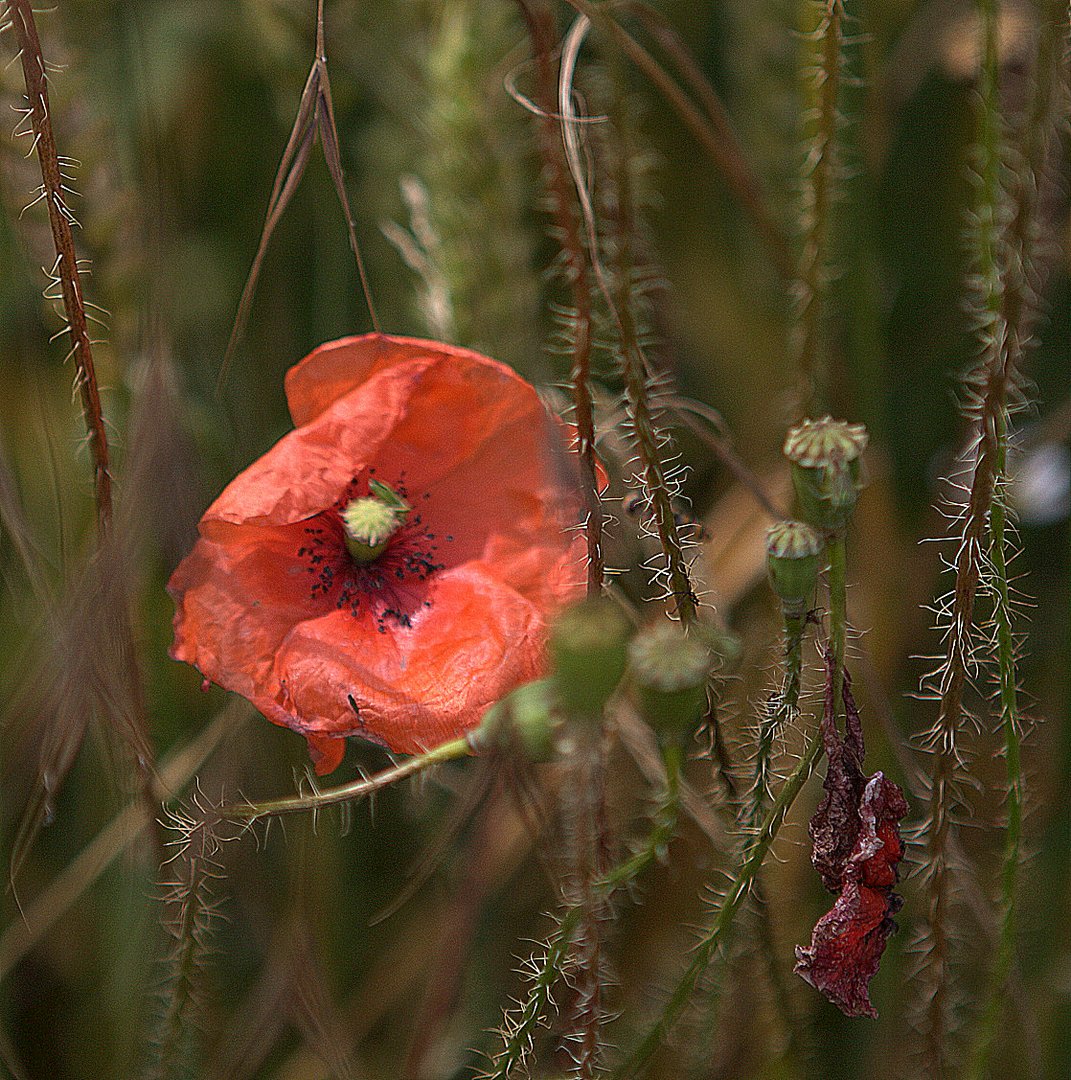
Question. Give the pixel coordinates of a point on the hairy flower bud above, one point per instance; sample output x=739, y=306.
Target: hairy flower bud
x=793, y=560
x=588, y=646
x=825, y=456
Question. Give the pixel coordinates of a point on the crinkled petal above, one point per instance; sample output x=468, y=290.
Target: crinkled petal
x=411, y=687
x=334, y=369
x=846, y=947
x=235, y=603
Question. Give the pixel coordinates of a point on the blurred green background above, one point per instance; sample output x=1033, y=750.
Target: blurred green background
x=178, y=113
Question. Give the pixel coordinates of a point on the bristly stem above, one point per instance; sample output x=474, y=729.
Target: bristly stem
x=252, y=812
x=633, y=361
x=994, y=378
x=715, y=937
x=65, y=270
x=1002, y=321
x=540, y=25
x=821, y=77
x=521, y=1026
x=838, y=616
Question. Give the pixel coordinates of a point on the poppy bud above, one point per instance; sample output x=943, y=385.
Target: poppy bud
x=793, y=560
x=370, y=522
x=826, y=469
x=524, y=720
x=670, y=670
x=588, y=647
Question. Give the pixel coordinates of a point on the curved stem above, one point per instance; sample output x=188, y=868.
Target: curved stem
x=358, y=789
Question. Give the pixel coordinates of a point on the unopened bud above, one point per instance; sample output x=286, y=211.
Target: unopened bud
x=793, y=560
x=524, y=721
x=588, y=649
x=825, y=456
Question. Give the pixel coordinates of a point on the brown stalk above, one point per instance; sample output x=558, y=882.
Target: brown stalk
x=712, y=131
x=315, y=116
x=541, y=30
x=65, y=270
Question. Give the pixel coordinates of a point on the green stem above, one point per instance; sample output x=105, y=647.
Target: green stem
x=838, y=616
x=822, y=63
x=715, y=937
x=626, y=871
x=358, y=789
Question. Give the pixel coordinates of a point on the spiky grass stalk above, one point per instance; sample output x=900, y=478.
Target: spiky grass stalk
x=189, y=896
x=617, y=292
x=821, y=70
x=587, y=833
x=1003, y=298
x=519, y=1026
x=477, y=190
x=715, y=938
x=1019, y=303
x=540, y=24
x=66, y=271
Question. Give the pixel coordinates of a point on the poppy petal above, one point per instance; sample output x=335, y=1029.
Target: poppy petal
x=409, y=688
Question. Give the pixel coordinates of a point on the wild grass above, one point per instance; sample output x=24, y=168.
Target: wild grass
x=691, y=225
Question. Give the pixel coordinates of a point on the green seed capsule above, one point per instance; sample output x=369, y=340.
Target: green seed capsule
x=670, y=670
x=825, y=456
x=524, y=720
x=588, y=649
x=793, y=561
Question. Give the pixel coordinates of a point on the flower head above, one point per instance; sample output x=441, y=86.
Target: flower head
x=387, y=568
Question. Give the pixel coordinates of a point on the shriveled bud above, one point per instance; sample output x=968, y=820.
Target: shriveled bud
x=825, y=456
x=588, y=649
x=670, y=669
x=793, y=561
x=524, y=720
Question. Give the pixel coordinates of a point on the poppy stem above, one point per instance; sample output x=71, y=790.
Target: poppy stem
x=519, y=1027
x=838, y=616
x=254, y=811
x=715, y=936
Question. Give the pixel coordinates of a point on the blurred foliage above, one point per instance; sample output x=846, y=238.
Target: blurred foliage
x=178, y=113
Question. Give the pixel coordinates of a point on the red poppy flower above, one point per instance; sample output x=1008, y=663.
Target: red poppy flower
x=405, y=631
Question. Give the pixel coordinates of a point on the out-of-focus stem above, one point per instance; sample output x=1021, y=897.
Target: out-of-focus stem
x=738, y=890
x=358, y=789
